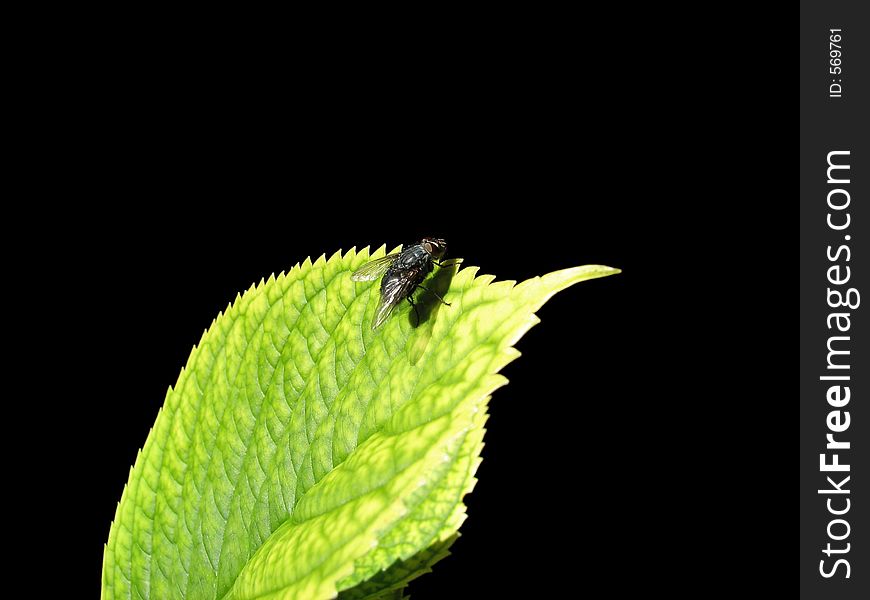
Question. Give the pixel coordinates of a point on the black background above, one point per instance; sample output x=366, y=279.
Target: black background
x=503, y=168
x=188, y=180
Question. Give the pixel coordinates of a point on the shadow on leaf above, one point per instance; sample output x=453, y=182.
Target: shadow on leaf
x=389, y=583
x=428, y=306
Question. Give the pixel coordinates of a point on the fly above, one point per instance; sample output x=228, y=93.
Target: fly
x=403, y=272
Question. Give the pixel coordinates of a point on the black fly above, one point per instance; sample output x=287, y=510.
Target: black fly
x=403, y=271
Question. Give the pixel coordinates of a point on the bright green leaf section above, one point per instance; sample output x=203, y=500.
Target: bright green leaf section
x=302, y=454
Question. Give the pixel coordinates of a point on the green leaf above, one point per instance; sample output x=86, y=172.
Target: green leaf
x=302, y=454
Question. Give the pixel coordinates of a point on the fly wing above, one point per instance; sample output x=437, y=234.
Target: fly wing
x=393, y=291
x=375, y=268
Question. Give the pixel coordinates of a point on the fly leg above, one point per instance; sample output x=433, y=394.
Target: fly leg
x=445, y=303
x=411, y=300
x=456, y=261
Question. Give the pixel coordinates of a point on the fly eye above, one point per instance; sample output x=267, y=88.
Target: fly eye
x=428, y=247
